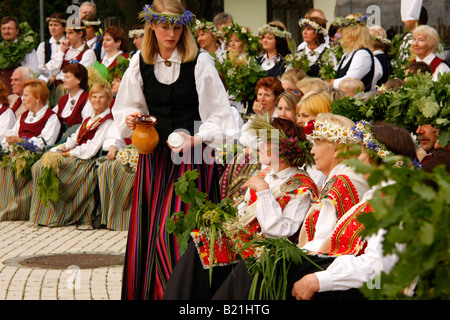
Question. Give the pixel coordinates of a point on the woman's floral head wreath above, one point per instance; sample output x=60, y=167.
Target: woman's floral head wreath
x=88, y=23
x=186, y=18
x=380, y=38
x=206, y=26
x=325, y=130
x=275, y=31
x=294, y=151
x=314, y=25
x=136, y=33
x=242, y=33
x=363, y=132
x=62, y=21
x=345, y=22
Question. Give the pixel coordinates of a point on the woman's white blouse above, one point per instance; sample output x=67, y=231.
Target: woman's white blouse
x=274, y=221
x=91, y=147
x=43, y=71
x=217, y=122
x=8, y=120
x=106, y=61
x=359, y=67
x=48, y=135
x=441, y=68
x=55, y=64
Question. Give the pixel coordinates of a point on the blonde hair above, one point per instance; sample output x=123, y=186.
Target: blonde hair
x=355, y=36
x=100, y=87
x=315, y=102
x=187, y=47
x=430, y=34
x=293, y=75
x=309, y=84
x=341, y=121
x=349, y=86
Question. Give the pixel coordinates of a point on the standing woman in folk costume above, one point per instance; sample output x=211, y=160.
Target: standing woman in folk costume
x=76, y=172
x=72, y=50
x=358, y=60
x=314, y=32
x=47, y=49
x=275, y=47
x=40, y=125
x=170, y=80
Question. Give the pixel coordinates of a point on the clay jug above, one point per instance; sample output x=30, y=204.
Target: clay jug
x=145, y=137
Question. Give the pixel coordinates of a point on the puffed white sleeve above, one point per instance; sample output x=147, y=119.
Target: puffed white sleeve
x=130, y=97
x=214, y=107
x=8, y=120
x=349, y=271
x=276, y=221
x=359, y=67
x=43, y=71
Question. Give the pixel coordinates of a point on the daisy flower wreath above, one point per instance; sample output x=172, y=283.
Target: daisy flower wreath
x=136, y=33
x=345, y=22
x=275, y=31
x=308, y=23
x=324, y=130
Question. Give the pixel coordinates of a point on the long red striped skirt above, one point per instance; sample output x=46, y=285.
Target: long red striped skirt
x=152, y=252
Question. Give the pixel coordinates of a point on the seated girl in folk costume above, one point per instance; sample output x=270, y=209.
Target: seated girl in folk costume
x=275, y=203
x=77, y=174
x=40, y=126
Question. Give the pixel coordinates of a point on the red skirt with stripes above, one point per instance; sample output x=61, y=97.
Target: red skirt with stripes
x=152, y=252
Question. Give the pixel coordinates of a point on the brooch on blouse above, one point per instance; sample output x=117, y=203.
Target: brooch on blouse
x=291, y=185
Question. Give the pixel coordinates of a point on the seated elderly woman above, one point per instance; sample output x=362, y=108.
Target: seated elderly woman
x=74, y=106
x=77, y=174
x=425, y=45
x=342, y=190
x=7, y=116
x=313, y=103
x=275, y=204
x=40, y=126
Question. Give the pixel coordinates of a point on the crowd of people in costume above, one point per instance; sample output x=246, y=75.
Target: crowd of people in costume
x=253, y=112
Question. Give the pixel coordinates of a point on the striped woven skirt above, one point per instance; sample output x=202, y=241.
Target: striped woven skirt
x=115, y=182
x=78, y=180
x=15, y=198
x=152, y=252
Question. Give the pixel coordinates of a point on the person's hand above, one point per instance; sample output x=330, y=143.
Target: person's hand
x=306, y=287
x=64, y=46
x=257, y=108
x=51, y=80
x=129, y=119
x=256, y=183
x=12, y=139
x=188, y=143
x=111, y=153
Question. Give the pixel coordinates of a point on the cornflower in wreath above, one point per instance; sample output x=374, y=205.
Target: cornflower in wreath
x=363, y=132
x=294, y=151
x=313, y=25
x=187, y=18
x=277, y=32
x=345, y=22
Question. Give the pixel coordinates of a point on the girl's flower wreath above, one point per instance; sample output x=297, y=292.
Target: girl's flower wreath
x=187, y=18
x=314, y=25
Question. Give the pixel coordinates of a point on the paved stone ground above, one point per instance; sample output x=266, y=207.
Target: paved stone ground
x=20, y=239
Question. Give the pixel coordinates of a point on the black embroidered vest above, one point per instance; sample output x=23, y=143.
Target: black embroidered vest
x=367, y=79
x=175, y=106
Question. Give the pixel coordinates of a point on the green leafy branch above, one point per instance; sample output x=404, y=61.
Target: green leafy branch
x=414, y=213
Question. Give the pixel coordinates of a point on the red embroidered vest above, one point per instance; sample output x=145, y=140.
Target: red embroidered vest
x=342, y=192
x=86, y=133
x=112, y=65
x=75, y=117
x=30, y=130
